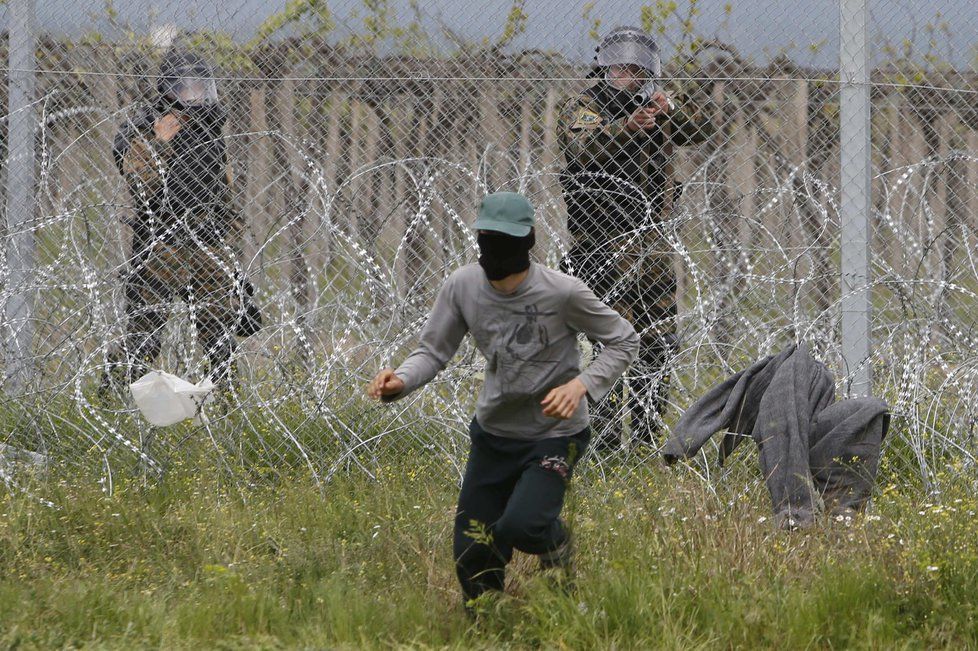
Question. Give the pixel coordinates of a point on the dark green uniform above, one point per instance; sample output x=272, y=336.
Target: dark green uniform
x=185, y=236
x=617, y=186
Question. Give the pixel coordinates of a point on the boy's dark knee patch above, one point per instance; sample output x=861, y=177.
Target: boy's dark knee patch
x=557, y=464
x=522, y=530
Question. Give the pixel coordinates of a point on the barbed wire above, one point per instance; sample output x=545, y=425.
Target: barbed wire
x=353, y=212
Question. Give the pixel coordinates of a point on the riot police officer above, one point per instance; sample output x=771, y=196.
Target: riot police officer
x=186, y=231
x=617, y=139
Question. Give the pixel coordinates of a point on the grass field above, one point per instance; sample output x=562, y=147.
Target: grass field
x=193, y=562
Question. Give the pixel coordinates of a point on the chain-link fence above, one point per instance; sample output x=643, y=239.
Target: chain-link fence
x=821, y=187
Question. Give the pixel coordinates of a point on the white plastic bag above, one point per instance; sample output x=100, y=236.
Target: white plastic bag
x=166, y=399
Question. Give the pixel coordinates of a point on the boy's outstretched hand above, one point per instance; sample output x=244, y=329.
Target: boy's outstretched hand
x=564, y=400
x=385, y=384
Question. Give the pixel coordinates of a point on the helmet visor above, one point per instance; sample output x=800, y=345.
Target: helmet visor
x=192, y=91
x=629, y=52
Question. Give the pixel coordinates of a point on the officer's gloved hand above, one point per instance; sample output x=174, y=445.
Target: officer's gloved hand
x=646, y=118
x=166, y=127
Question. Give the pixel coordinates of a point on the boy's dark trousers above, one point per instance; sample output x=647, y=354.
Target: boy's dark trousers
x=511, y=497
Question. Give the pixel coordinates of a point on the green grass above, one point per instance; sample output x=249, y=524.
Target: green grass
x=194, y=562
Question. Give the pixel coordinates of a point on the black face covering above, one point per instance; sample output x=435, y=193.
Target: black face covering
x=504, y=255
x=202, y=118
x=615, y=101
x=207, y=117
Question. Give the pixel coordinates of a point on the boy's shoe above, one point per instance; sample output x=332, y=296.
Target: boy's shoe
x=558, y=566
x=482, y=605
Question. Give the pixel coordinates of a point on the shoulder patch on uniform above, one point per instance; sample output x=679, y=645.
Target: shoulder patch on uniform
x=586, y=119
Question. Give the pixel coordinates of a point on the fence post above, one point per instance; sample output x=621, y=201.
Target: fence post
x=19, y=305
x=856, y=175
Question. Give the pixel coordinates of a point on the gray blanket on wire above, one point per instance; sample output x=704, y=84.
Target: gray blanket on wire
x=810, y=445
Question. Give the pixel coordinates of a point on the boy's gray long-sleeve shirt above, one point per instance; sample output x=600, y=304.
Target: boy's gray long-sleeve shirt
x=529, y=340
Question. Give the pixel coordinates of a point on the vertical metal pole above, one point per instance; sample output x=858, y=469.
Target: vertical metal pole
x=18, y=310
x=856, y=190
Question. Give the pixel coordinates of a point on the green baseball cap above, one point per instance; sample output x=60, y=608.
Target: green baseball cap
x=507, y=212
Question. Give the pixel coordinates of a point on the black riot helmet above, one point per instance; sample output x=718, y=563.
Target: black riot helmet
x=629, y=46
x=186, y=81
x=625, y=46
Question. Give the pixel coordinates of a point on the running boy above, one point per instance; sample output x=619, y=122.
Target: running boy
x=531, y=420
